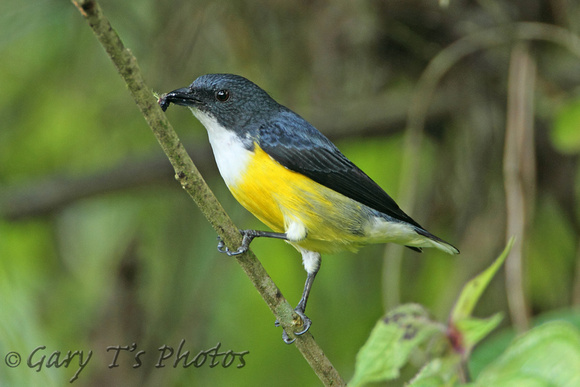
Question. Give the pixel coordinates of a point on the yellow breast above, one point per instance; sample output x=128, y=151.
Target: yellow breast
x=278, y=196
x=267, y=188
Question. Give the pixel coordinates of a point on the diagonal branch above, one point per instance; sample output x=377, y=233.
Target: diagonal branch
x=195, y=186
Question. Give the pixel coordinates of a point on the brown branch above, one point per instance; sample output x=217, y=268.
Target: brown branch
x=193, y=183
x=45, y=196
x=56, y=192
x=519, y=172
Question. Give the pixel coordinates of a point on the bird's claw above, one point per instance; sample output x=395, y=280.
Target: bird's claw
x=222, y=248
x=306, y=323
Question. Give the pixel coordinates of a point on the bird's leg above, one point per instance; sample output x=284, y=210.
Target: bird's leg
x=312, y=264
x=248, y=237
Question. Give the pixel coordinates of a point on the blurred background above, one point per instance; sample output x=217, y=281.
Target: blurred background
x=466, y=112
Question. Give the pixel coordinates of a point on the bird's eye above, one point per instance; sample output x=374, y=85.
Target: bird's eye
x=222, y=95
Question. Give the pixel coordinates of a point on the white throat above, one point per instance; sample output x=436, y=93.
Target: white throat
x=231, y=156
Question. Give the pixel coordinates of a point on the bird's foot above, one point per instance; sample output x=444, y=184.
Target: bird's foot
x=247, y=239
x=305, y=322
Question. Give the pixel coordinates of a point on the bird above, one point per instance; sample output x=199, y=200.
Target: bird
x=293, y=178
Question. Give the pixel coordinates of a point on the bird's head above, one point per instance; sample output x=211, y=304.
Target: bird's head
x=233, y=101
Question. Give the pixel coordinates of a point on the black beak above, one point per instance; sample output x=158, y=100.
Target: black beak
x=183, y=97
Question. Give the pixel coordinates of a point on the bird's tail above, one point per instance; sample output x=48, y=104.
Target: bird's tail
x=437, y=242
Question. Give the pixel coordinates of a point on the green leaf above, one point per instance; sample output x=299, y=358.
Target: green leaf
x=473, y=330
x=473, y=289
x=548, y=355
x=492, y=348
x=566, y=129
x=440, y=372
x=391, y=342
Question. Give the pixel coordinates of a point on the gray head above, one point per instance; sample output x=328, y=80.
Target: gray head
x=232, y=100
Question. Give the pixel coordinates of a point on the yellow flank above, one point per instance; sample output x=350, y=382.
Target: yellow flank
x=278, y=196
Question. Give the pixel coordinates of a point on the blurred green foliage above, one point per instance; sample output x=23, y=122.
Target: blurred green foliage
x=98, y=248
x=566, y=133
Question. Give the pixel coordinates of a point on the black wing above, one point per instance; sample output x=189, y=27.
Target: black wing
x=297, y=145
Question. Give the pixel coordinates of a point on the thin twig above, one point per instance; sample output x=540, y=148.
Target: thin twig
x=518, y=175
x=418, y=109
x=193, y=183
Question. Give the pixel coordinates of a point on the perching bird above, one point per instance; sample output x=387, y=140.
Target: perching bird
x=292, y=178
